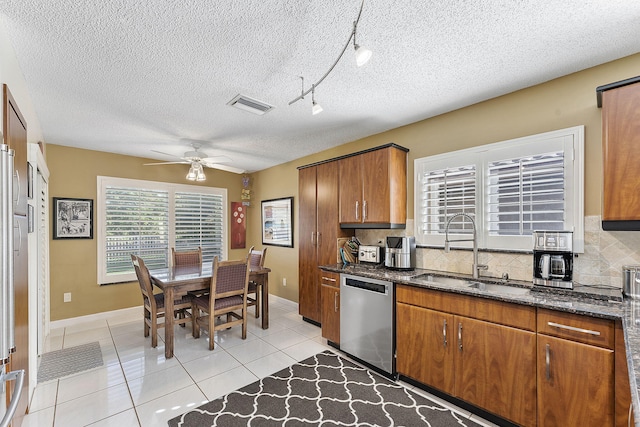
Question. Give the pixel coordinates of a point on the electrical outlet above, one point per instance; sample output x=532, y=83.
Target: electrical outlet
x=67, y=297
x=284, y=281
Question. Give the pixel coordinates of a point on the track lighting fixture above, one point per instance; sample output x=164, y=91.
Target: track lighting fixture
x=362, y=57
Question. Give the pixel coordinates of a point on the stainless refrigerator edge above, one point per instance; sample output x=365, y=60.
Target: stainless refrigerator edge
x=7, y=308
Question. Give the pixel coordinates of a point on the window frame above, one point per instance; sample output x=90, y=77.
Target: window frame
x=104, y=181
x=570, y=139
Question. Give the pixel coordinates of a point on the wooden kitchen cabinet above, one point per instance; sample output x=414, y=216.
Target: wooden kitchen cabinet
x=330, y=295
x=495, y=369
x=575, y=370
x=373, y=188
x=471, y=348
x=425, y=346
x=319, y=231
x=620, y=141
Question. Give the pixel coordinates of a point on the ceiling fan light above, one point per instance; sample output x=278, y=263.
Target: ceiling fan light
x=363, y=55
x=192, y=175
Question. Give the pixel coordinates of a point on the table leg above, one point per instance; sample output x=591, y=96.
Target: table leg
x=265, y=301
x=168, y=322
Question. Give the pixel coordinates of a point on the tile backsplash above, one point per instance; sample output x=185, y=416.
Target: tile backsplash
x=601, y=263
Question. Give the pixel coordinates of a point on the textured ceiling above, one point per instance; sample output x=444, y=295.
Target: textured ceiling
x=131, y=76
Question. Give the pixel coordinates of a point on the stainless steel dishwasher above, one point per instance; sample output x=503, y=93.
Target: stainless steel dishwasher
x=366, y=321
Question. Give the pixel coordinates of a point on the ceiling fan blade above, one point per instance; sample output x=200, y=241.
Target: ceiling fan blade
x=167, y=154
x=165, y=163
x=216, y=159
x=223, y=167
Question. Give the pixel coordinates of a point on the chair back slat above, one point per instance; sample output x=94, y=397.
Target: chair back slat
x=144, y=280
x=190, y=257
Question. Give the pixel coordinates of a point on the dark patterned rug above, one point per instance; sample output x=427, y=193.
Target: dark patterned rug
x=323, y=390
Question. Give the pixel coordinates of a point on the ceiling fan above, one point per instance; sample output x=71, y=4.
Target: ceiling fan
x=198, y=159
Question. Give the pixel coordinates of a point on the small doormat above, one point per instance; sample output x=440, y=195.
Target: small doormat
x=323, y=390
x=68, y=361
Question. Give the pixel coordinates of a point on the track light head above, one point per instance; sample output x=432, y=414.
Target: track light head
x=316, y=108
x=362, y=55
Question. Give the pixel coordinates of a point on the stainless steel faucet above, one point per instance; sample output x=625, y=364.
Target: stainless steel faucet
x=476, y=267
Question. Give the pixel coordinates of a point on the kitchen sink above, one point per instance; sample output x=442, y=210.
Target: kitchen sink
x=445, y=280
x=503, y=289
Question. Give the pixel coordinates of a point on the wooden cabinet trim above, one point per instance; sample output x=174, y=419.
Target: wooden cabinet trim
x=576, y=327
x=500, y=312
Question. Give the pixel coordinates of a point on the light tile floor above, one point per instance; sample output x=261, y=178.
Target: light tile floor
x=137, y=386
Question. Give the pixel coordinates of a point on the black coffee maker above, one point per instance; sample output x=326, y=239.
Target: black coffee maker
x=553, y=259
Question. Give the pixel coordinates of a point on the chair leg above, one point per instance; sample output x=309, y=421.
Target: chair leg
x=195, y=326
x=258, y=301
x=212, y=323
x=245, y=311
x=154, y=332
x=147, y=316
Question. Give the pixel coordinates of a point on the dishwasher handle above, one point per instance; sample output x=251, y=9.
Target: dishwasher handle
x=18, y=376
x=368, y=286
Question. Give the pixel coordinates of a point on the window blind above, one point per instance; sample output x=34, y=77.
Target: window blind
x=444, y=193
x=199, y=222
x=526, y=194
x=136, y=222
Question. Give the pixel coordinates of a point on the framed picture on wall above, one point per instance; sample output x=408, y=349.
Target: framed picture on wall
x=277, y=222
x=72, y=218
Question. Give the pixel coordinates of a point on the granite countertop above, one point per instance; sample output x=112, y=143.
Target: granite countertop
x=597, y=301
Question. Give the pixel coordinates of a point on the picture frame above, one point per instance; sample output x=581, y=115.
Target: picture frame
x=277, y=222
x=72, y=218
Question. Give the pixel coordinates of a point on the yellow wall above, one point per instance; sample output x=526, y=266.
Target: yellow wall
x=561, y=103
x=74, y=262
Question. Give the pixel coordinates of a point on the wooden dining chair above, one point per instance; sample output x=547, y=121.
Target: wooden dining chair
x=256, y=262
x=189, y=257
x=227, y=295
x=154, y=303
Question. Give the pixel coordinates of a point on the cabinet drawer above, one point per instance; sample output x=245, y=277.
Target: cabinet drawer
x=575, y=327
x=330, y=279
x=504, y=313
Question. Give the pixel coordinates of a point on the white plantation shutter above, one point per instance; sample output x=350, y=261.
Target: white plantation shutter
x=148, y=218
x=199, y=223
x=444, y=193
x=511, y=188
x=526, y=194
x=137, y=222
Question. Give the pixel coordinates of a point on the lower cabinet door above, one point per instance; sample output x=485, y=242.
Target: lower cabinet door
x=330, y=296
x=575, y=383
x=425, y=346
x=496, y=369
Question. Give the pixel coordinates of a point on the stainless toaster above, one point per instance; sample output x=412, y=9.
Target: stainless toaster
x=370, y=254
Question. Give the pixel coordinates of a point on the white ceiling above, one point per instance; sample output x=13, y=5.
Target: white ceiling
x=131, y=76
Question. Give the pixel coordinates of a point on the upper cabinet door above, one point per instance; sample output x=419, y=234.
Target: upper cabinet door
x=350, y=170
x=15, y=135
x=373, y=189
x=621, y=156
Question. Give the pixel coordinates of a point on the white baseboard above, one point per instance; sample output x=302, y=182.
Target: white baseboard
x=124, y=312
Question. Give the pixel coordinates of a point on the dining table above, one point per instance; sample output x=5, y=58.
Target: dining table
x=178, y=281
